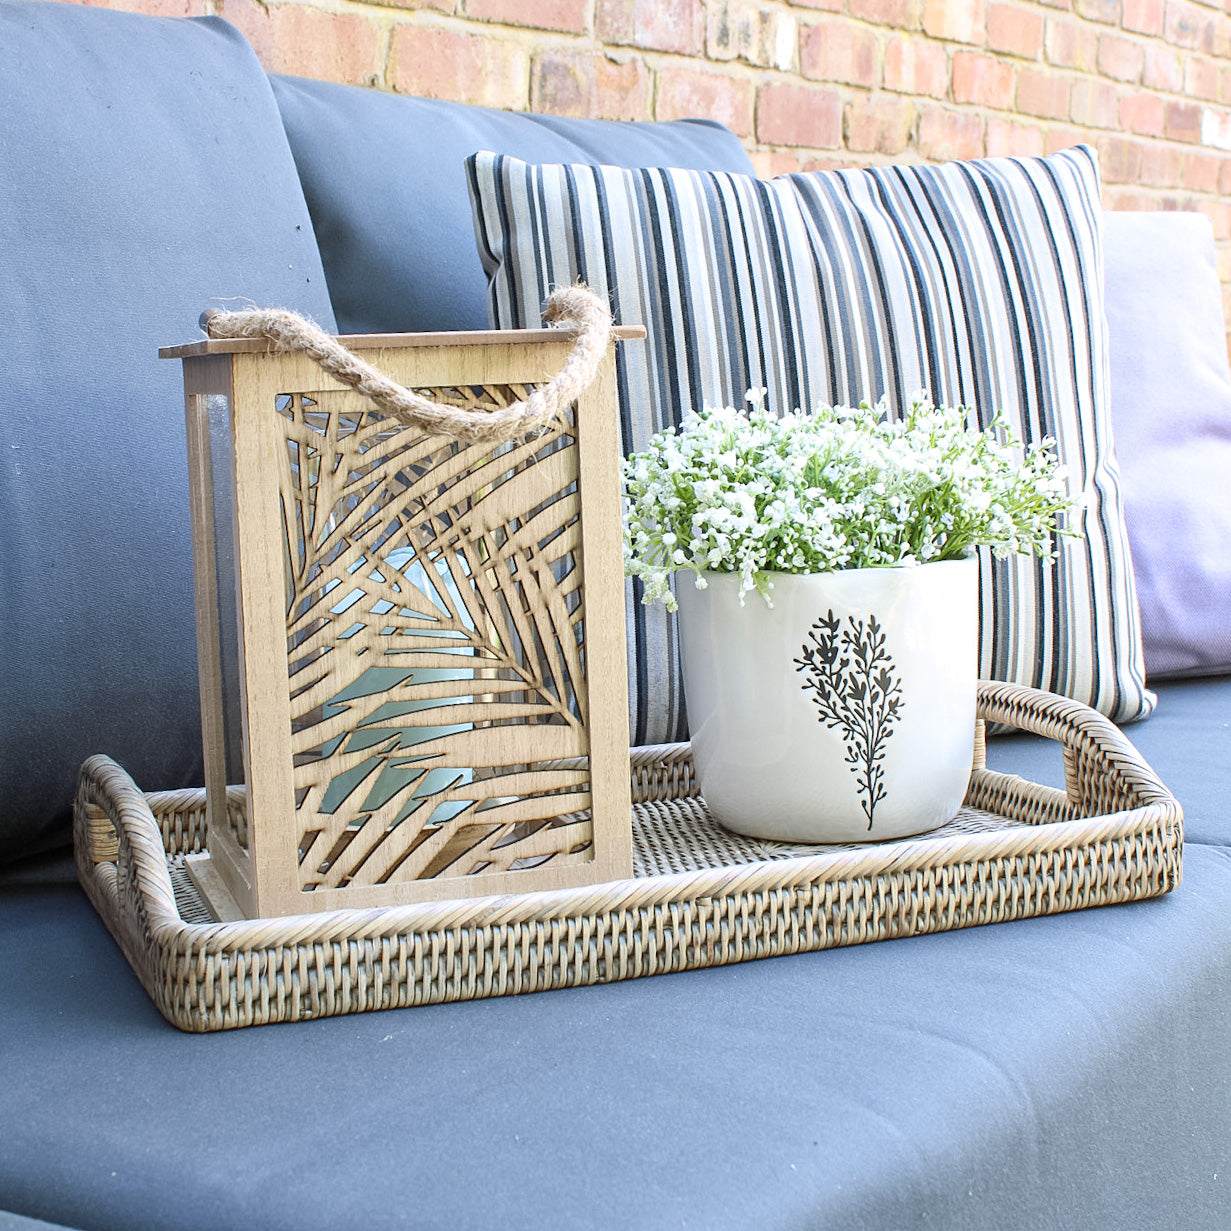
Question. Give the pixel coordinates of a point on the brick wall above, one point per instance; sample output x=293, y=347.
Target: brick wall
x=814, y=83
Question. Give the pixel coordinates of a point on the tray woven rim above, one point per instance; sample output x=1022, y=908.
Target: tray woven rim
x=1092, y=835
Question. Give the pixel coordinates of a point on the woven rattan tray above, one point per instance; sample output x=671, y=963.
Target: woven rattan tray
x=699, y=897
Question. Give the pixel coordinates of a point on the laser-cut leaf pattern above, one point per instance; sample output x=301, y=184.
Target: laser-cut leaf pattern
x=435, y=641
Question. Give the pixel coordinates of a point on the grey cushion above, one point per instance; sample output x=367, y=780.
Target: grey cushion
x=1063, y=1072
x=1171, y=412
x=1057, y=1073
x=144, y=171
x=384, y=181
x=1187, y=742
x=15, y=1222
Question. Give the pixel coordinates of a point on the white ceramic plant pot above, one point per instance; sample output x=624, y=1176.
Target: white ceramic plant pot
x=845, y=712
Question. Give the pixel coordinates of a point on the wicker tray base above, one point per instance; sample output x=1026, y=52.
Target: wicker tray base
x=700, y=896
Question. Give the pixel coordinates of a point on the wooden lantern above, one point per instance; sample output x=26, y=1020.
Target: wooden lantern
x=411, y=649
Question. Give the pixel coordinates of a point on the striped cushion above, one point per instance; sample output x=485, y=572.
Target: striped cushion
x=979, y=281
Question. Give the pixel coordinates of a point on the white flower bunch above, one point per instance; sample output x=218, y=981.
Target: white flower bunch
x=840, y=488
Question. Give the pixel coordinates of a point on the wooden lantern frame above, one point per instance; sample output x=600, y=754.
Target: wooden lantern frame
x=239, y=399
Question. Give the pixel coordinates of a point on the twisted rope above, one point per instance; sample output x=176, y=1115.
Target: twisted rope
x=577, y=306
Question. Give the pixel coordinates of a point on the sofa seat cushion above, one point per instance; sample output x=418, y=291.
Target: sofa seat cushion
x=980, y=282
x=384, y=179
x=18, y=1222
x=145, y=174
x=1069, y=1071
x=1187, y=743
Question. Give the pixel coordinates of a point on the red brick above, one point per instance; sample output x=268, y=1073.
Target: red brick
x=1186, y=27
x=799, y=115
x=1107, y=11
x=1182, y=122
x=1016, y=31
x=657, y=25
x=878, y=125
x=1042, y=93
x=913, y=66
x=586, y=84
x=1218, y=212
x=1203, y=79
x=466, y=67
x=151, y=8
x=811, y=162
x=1142, y=113
x=832, y=164
x=1201, y=172
x=768, y=163
x=1127, y=199
x=1008, y=139
x=685, y=92
x=959, y=21
x=947, y=135
x=1057, y=137
x=1071, y=44
x=983, y=80
x=569, y=15
x=1224, y=180
x=1095, y=104
x=738, y=30
x=1164, y=70
x=1121, y=58
x=449, y=7
x=834, y=51
x=1161, y=166
x=1119, y=159
x=897, y=13
x=1143, y=16
x=289, y=38
x=1220, y=39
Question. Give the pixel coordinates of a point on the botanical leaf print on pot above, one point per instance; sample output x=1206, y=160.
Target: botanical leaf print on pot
x=850, y=675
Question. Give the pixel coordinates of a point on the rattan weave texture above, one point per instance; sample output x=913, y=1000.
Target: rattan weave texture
x=700, y=896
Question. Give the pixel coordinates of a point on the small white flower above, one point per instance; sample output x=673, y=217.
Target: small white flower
x=838, y=488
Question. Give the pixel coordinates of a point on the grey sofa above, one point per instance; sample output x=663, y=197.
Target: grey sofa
x=1066, y=1072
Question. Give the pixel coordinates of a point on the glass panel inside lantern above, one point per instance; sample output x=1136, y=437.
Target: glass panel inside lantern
x=222, y=483
x=395, y=775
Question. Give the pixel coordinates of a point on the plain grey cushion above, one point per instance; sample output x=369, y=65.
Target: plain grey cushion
x=1053, y=1074
x=1187, y=742
x=1171, y=413
x=144, y=172
x=15, y=1222
x=1067, y=1072
x=384, y=181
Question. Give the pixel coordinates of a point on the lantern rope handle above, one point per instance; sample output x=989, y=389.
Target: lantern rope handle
x=577, y=306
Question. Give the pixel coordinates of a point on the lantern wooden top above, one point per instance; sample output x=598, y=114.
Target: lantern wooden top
x=393, y=341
